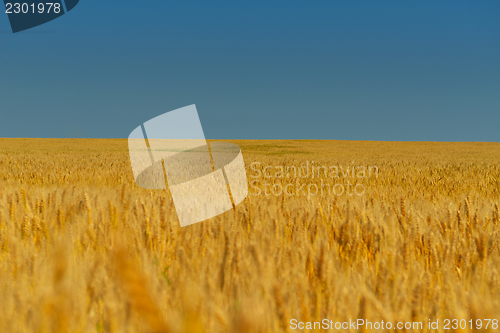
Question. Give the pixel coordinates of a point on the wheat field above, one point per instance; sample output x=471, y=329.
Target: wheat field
x=83, y=249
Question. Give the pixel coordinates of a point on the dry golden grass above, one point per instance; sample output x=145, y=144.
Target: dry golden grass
x=83, y=249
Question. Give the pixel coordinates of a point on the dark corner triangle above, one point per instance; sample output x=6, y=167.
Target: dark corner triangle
x=70, y=4
x=23, y=21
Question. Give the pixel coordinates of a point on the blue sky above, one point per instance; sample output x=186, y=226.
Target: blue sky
x=349, y=70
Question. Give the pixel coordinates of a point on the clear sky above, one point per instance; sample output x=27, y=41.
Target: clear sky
x=350, y=70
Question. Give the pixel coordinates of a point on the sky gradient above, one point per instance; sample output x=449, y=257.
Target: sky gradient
x=342, y=70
